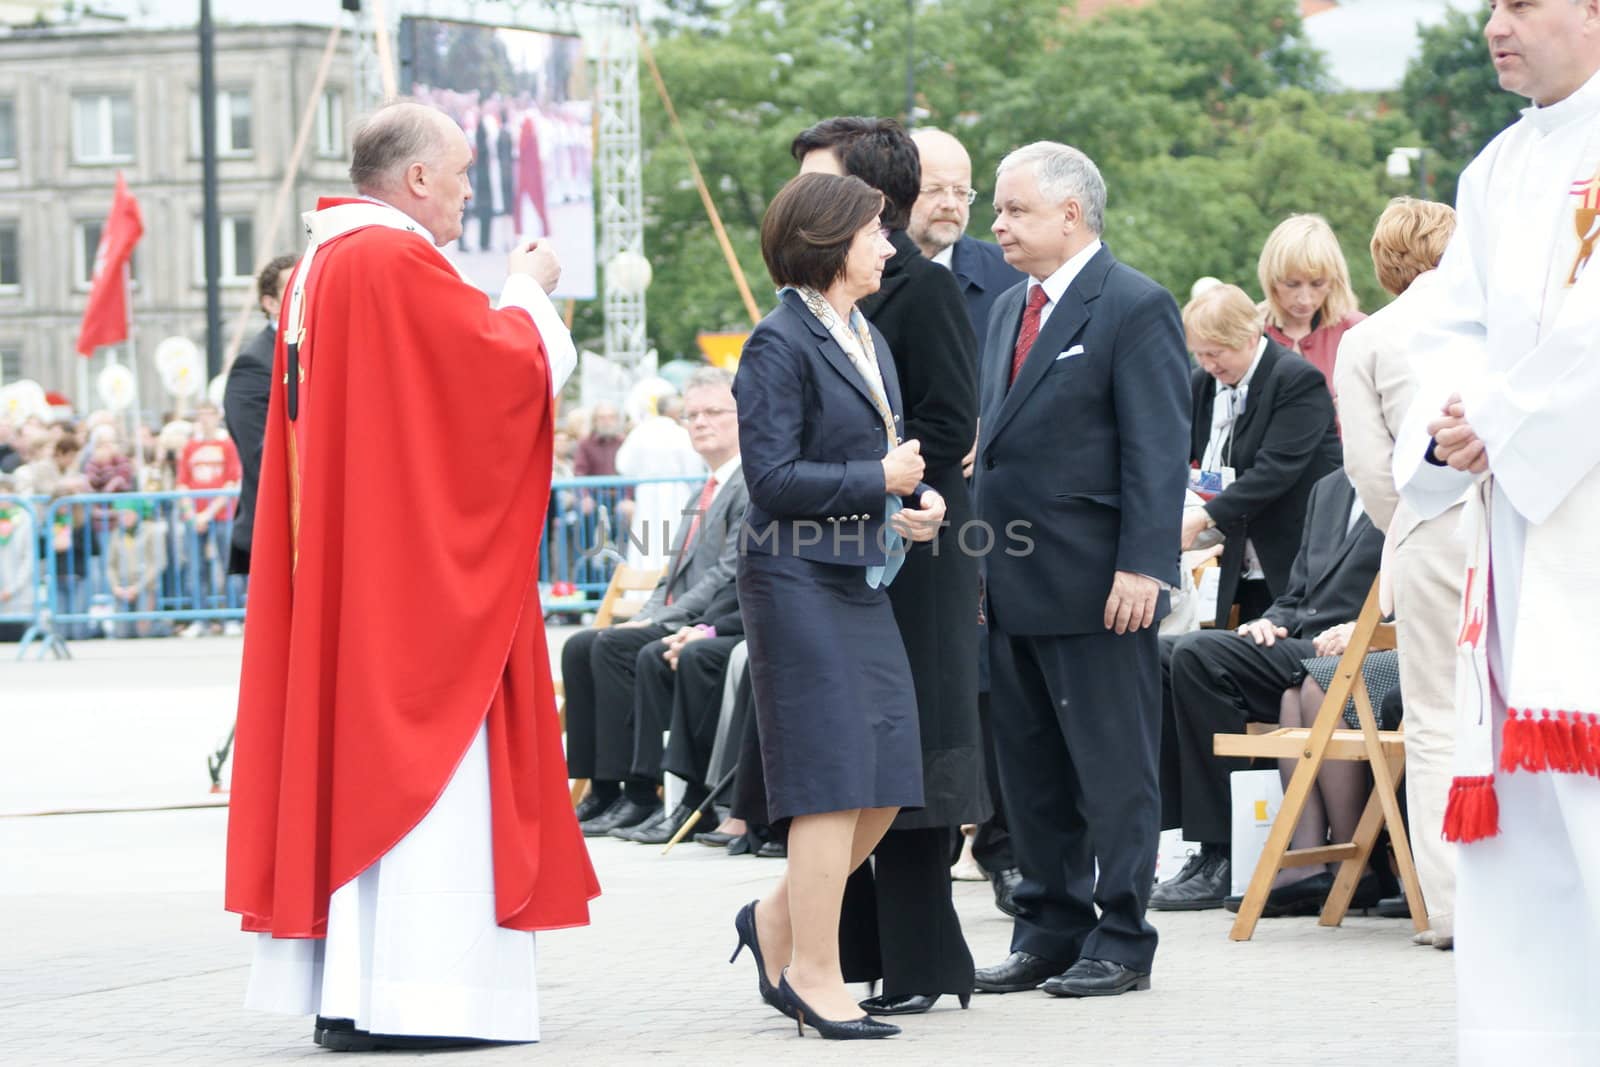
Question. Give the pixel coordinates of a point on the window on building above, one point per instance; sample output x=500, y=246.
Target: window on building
x=10, y=262
x=8, y=132
x=10, y=362
x=102, y=128
x=238, y=234
x=83, y=253
x=330, y=124
x=234, y=134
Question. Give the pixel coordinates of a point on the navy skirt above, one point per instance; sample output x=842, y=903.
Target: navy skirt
x=835, y=707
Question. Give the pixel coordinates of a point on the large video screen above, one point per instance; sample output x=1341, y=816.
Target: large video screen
x=524, y=100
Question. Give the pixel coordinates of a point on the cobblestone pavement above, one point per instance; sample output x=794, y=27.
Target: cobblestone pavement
x=114, y=947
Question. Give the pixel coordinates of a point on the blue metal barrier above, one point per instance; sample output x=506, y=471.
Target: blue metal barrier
x=140, y=564
x=593, y=524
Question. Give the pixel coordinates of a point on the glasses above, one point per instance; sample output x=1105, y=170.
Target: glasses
x=960, y=192
x=709, y=413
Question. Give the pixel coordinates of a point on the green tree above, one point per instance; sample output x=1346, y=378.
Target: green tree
x=1453, y=95
x=1210, y=119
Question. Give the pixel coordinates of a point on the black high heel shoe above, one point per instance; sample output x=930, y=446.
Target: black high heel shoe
x=864, y=1028
x=908, y=1003
x=745, y=924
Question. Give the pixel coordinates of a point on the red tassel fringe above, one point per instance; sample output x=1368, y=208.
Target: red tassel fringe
x=1473, y=812
x=1567, y=742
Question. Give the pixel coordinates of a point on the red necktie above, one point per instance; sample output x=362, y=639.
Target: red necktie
x=707, y=491
x=1037, y=298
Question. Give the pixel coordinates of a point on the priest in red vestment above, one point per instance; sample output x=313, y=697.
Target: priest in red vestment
x=400, y=823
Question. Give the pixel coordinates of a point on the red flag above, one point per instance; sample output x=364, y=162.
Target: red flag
x=105, y=318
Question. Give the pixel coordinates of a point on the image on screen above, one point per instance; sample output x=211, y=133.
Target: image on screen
x=525, y=102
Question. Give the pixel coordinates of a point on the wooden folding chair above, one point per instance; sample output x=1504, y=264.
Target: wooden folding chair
x=1325, y=739
x=614, y=607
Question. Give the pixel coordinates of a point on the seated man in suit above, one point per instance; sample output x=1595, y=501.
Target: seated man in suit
x=678, y=684
x=597, y=666
x=1222, y=679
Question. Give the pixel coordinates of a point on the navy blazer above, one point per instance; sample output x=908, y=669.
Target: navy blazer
x=811, y=441
x=1083, y=462
x=983, y=273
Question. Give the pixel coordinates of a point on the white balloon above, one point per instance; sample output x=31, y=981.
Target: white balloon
x=23, y=399
x=218, y=386
x=174, y=350
x=115, y=386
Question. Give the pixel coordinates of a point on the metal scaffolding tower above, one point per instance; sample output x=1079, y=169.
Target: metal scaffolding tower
x=618, y=168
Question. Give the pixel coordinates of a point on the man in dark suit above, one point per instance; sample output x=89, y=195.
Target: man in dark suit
x=597, y=666
x=1080, y=474
x=939, y=226
x=679, y=684
x=1222, y=679
x=244, y=405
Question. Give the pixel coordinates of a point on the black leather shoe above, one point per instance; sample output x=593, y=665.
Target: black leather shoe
x=1190, y=868
x=1200, y=890
x=908, y=1003
x=1392, y=908
x=624, y=812
x=743, y=845
x=1096, y=978
x=591, y=805
x=1005, y=882
x=714, y=838
x=353, y=1040
x=1304, y=897
x=324, y=1024
x=1017, y=972
x=660, y=831
x=773, y=850
x=625, y=833
x=863, y=1028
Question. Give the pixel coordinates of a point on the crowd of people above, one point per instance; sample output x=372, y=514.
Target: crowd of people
x=144, y=554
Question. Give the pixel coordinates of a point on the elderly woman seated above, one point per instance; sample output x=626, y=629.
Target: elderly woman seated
x=1263, y=432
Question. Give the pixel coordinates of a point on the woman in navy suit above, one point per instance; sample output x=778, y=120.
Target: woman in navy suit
x=833, y=493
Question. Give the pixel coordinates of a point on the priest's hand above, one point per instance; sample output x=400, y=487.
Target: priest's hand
x=1263, y=632
x=1195, y=522
x=1455, y=442
x=537, y=259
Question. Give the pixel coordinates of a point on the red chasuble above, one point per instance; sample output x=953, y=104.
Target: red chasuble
x=393, y=601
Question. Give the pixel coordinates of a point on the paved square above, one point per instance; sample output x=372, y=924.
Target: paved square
x=116, y=950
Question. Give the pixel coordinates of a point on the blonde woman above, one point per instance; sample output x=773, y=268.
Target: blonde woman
x=1425, y=560
x=1309, y=303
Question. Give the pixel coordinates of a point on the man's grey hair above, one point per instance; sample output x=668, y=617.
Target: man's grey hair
x=394, y=137
x=1064, y=173
x=708, y=378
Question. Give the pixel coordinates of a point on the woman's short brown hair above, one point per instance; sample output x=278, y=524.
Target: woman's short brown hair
x=808, y=227
x=1409, y=240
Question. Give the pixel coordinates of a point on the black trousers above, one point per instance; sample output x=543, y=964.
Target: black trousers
x=898, y=923
x=597, y=671
x=991, y=846
x=687, y=702
x=1077, y=728
x=1219, y=682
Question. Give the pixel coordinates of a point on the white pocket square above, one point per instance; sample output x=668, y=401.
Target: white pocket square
x=1075, y=350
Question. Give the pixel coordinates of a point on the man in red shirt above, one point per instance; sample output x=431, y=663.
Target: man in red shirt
x=208, y=461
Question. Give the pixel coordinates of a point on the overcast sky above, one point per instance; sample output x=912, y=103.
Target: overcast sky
x=1368, y=41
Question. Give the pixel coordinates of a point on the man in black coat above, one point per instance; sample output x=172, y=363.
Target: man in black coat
x=1222, y=679
x=906, y=932
x=678, y=683
x=1262, y=415
x=938, y=225
x=1080, y=473
x=244, y=404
